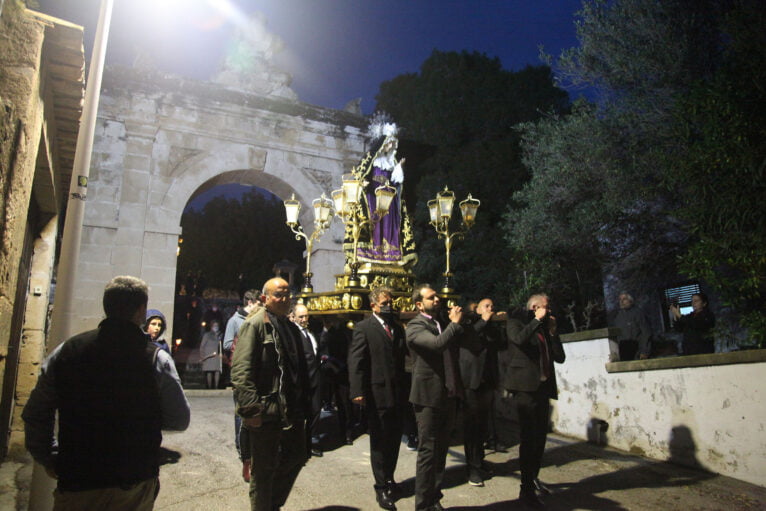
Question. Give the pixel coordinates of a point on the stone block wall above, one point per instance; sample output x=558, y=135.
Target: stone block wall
x=31, y=140
x=21, y=41
x=160, y=139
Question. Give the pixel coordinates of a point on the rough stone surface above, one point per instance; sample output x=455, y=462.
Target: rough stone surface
x=40, y=84
x=162, y=139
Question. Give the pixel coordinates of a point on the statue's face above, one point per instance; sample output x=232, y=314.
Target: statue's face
x=390, y=146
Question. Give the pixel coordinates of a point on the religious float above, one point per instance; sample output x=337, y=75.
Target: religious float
x=378, y=243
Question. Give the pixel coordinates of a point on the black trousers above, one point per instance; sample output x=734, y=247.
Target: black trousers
x=476, y=409
x=628, y=349
x=534, y=409
x=434, y=428
x=385, y=427
x=335, y=389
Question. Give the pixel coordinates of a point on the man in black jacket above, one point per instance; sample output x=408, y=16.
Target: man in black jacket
x=114, y=391
x=311, y=352
x=534, y=345
x=479, y=372
x=436, y=389
x=376, y=373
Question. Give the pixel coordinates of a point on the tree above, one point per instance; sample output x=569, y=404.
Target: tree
x=723, y=124
x=641, y=179
x=464, y=105
x=231, y=236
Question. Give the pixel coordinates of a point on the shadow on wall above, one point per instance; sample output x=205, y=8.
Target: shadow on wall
x=683, y=450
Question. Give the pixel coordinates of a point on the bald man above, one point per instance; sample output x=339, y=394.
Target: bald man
x=271, y=388
x=311, y=351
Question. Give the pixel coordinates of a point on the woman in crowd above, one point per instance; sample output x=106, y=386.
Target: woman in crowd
x=210, y=354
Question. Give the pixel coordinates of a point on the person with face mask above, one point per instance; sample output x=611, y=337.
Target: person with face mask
x=376, y=375
x=210, y=354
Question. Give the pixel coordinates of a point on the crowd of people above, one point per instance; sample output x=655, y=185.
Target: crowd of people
x=116, y=387
x=411, y=383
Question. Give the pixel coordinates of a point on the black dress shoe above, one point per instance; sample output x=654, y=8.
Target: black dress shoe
x=317, y=453
x=530, y=499
x=541, y=487
x=437, y=507
x=392, y=488
x=385, y=499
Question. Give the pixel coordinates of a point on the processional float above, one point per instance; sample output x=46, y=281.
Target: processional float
x=378, y=243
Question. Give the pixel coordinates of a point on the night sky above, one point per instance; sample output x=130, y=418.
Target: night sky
x=336, y=50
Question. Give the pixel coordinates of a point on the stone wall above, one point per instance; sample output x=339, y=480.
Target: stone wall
x=21, y=41
x=162, y=139
x=704, y=411
x=21, y=45
x=41, y=63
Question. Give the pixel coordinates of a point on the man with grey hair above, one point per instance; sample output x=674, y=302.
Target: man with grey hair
x=533, y=345
x=114, y=391
x=633, y=339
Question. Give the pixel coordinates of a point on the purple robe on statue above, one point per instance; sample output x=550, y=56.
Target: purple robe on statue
x=386, y=233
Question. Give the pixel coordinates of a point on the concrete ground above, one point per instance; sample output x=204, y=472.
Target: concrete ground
x=204, y=473
x=201, y=472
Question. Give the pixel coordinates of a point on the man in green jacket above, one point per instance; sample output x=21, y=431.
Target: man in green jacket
x=271, y=389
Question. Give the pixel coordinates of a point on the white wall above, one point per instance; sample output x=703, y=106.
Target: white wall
x=703, y=410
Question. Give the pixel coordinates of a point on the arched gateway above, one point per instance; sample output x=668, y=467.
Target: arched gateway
x=163, y=139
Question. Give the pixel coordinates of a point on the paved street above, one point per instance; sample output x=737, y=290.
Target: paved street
x=203, y=473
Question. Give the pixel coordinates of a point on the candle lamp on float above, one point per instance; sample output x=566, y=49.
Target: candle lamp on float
x=440, y=211
x=349, y=208
x=322, y=218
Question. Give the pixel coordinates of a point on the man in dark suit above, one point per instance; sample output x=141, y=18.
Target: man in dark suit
x=334, y=343
x=533, y=345
x=479, y=372
x=436, y=389
x=376, y=373
x=310, y=350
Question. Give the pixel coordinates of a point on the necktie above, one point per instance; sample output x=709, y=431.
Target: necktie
x=388, y=330
x=311, y=341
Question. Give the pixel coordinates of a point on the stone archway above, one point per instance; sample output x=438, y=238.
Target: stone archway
x=161, y=140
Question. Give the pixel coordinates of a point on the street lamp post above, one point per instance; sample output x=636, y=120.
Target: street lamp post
x=349, y=208
x=440, y=212
x=322, y=218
